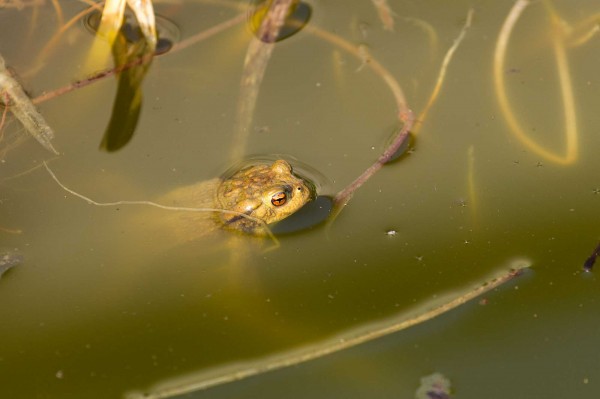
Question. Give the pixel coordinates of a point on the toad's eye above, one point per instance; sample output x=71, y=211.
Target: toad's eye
x=279, y=199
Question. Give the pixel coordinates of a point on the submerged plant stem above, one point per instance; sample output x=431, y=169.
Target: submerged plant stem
x=255, y=64
x=442, y=74
x=332, y=345
x=571, y=134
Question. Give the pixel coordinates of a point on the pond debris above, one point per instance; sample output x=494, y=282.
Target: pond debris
x=342, y=341
x=434, y=386
x=8, y=260
x=23, y=109
x=589, y=262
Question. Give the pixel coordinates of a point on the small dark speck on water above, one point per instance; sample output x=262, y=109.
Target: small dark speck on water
x=8, y=260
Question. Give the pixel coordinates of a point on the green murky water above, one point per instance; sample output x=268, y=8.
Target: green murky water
x=100, y=306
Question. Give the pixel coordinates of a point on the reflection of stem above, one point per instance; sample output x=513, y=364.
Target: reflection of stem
x=565, y=85
x=255, y=64
x=334, y=344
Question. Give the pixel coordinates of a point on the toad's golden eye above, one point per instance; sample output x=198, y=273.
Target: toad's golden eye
x=279, y=199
